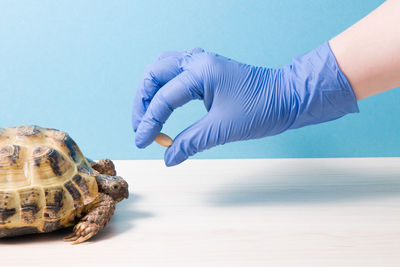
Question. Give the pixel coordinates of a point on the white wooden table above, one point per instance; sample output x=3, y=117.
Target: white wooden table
x=267, y=212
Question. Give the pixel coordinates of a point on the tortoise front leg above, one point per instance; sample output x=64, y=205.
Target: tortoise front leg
x=104, y=166
x=96, y=219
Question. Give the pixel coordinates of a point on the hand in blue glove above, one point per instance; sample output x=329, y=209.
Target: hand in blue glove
x=243, y=102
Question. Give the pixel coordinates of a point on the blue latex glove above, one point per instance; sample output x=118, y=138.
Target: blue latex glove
x=243, y=102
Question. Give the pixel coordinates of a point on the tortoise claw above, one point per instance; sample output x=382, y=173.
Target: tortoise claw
x=82, y=232
x=83, y=239
x=71, y=237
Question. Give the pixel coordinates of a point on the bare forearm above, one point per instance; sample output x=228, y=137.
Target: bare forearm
x=369, y=51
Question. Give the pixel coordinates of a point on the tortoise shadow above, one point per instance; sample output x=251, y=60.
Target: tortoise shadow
x=122, y=221
x=36, y=238
x=325, y=184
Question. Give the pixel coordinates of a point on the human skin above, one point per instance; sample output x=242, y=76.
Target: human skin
x=369, y=51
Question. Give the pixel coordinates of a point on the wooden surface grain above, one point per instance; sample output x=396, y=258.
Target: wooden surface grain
x=261, y=212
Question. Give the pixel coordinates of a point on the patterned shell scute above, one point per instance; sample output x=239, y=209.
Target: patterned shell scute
x=44, y=179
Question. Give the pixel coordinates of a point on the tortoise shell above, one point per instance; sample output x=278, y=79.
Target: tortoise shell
x=45, y=181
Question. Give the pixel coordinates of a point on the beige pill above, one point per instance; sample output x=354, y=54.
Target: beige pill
x=164, y=140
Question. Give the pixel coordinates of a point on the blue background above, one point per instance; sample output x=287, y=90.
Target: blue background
x=75, y=65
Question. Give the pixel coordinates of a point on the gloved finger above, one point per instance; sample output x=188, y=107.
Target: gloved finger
x=166, y=66
x=156, y=75
x=204, y=134
x=175, y=93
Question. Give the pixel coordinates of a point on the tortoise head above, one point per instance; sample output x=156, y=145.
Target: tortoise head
x=114, y=186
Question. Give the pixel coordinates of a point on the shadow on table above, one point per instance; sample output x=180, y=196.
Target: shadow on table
x=326, y=184
x=122, y=221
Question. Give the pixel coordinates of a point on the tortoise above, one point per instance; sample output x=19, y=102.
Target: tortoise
x=46, y=183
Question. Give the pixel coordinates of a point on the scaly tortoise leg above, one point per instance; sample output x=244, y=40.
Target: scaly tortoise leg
x=104, y=166
x=95, y=220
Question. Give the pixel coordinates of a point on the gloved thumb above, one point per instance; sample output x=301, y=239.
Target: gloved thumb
x=202, y=135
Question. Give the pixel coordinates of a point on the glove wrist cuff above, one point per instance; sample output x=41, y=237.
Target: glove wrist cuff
x=322, y=91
